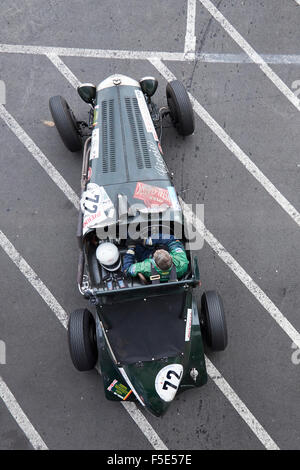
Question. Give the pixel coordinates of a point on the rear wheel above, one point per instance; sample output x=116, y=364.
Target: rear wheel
x=213, y=321
x=65, y=123
x=180, y=107
x=82, y=339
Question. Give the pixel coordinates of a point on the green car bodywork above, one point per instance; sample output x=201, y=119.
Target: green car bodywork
x=124, y=156
x=142, y=376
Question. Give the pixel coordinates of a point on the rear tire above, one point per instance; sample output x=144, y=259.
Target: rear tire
x=213, y=321
x=82, y=340
x=180, y=107
x=65, y=123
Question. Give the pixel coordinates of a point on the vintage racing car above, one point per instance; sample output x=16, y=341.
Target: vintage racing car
x=146, y=335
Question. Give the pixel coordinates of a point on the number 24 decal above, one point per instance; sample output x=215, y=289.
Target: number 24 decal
x=168, y=384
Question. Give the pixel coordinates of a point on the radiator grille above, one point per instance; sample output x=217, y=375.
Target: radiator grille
x=108, y=137
x=137, y=133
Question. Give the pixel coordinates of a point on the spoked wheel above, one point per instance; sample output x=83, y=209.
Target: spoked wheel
x=213, y=321
x=82, y=339
x=180, y=107
x=65, y=123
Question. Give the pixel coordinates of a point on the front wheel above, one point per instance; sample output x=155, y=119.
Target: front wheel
x=65, y=123
x=82, y=339
x=213, y=321
x=180, y=107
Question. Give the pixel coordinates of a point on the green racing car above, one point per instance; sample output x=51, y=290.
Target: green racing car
x=145, y=335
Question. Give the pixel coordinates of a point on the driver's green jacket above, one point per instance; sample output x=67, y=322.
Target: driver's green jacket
x=177, y=252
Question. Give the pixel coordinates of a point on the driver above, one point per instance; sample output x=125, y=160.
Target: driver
x=162, y=262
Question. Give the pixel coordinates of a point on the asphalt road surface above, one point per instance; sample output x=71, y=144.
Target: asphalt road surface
x=242, y=163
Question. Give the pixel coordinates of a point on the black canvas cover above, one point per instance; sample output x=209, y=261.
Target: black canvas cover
x=144, y=330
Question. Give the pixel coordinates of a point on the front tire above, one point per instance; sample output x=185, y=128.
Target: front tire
x=180, y=107
x=213, y=321
x=65, y=123
x=82, y=340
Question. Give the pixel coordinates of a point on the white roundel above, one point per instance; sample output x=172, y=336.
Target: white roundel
x=167, y=381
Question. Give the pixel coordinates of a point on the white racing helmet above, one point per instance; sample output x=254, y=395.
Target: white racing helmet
x=108, y=256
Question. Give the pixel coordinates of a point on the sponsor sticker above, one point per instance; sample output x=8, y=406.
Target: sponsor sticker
x=95, y=144
x=188, y=326
x=120, y=390
x=145, y=113
x=96, y=206
x=168, y=380
x=152, y=195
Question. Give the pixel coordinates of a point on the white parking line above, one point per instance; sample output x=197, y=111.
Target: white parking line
x=39, y=156
x=62, y=316
x=34, y=280
x=298, y=2
x=89, y=53
x=130, y=407
x=20, y=417
x=61, y=66
x=190, y=38
x=233, y=147
x=257, y=59
x=226, y=58
x=144, y=425
x=240, y=407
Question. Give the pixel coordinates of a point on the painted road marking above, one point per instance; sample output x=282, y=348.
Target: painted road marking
x=61, y=66
x=89, y=53
x=233, y=147
x=34, y=280
x=130, y=407
x=240, y=407
x=20, y=417
x=39, y=156
x=228, y=58
x=190, y=38
x=257, y=59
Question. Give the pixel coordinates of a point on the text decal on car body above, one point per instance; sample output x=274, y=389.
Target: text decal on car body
x=96, y=206
x=95, y=144
x=168, y=380
x=152, y=195
x=188, y=327
x=120, y=390
x=160, y=165
x=145, y=113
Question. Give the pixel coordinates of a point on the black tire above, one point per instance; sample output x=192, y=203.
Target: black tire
x=82, y=339
x=213, y=321
x=180, y=107
x=65, y=123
